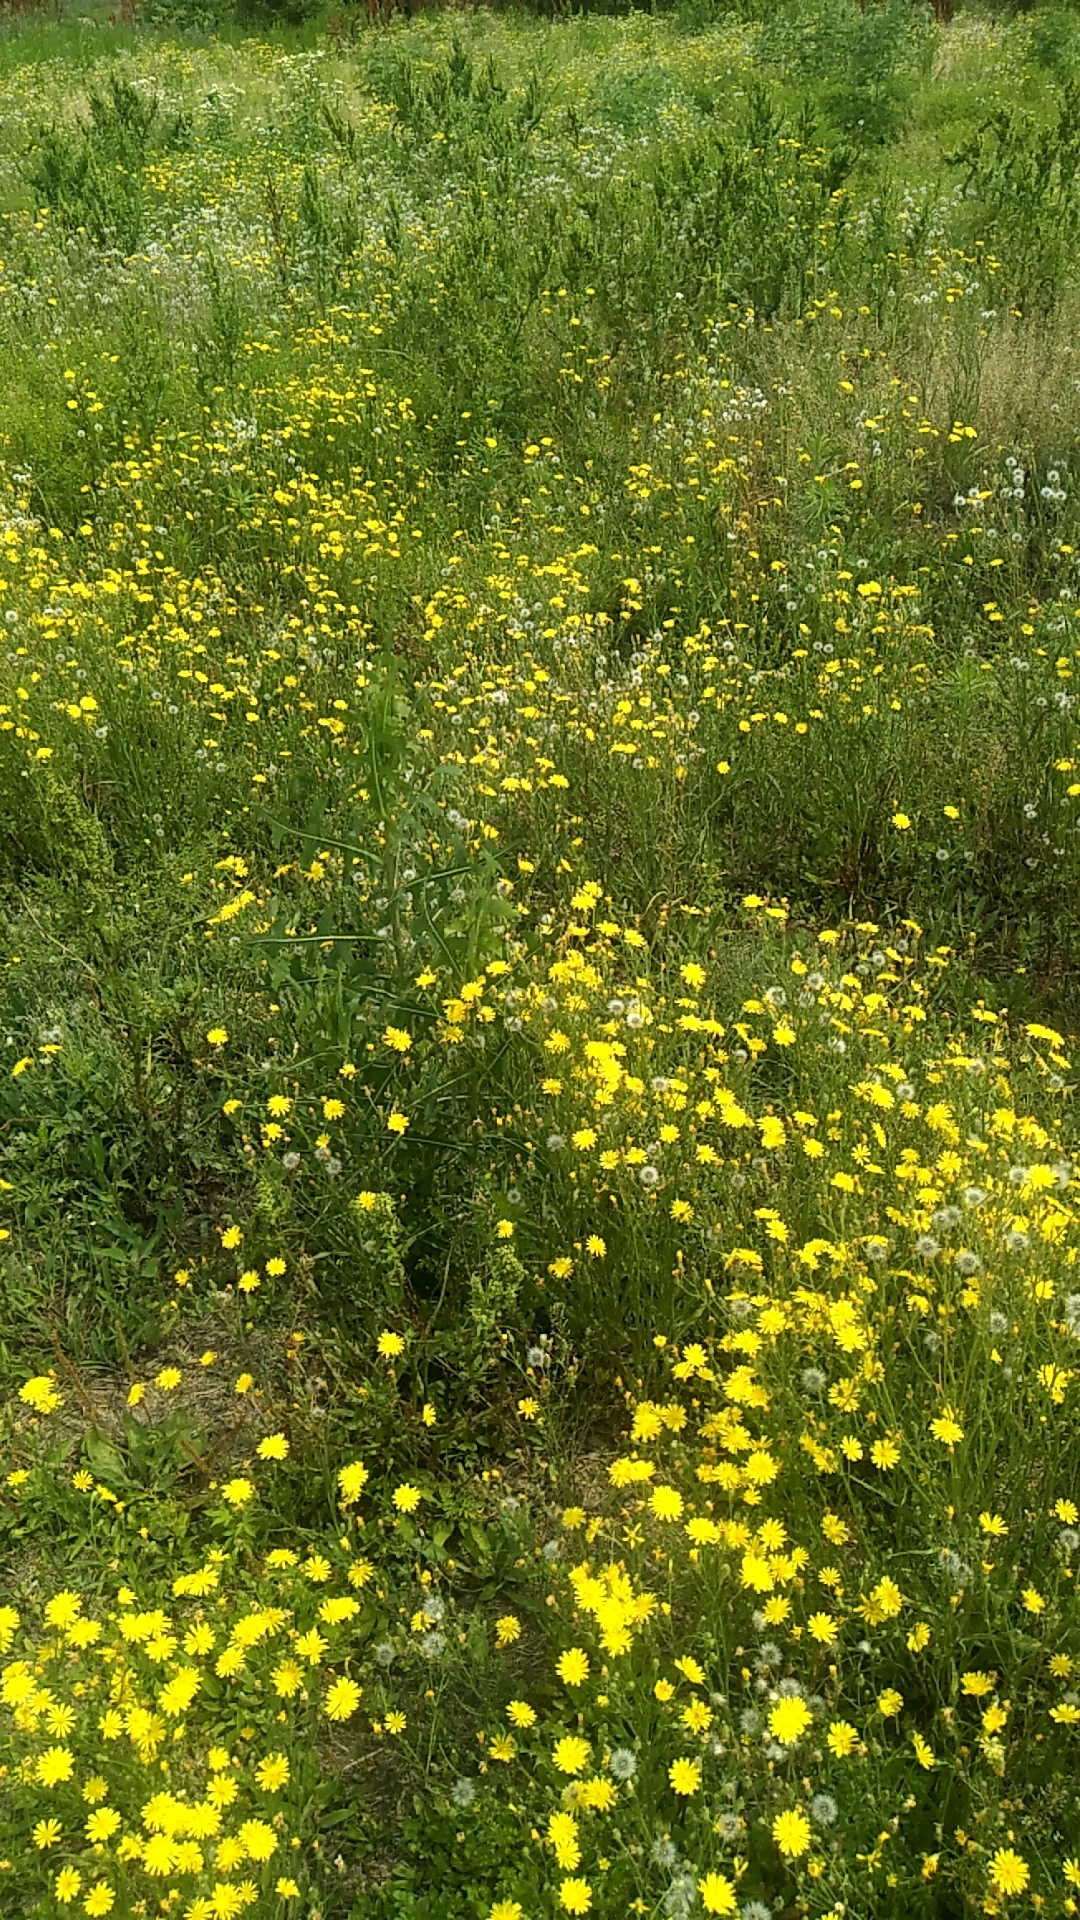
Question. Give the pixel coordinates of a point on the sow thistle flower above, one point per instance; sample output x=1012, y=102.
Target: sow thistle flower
x=562, y=1833
x=685, y=1777
x=342, y=1699
x=258, y=1840
x=666, y=1503
x=947, y=1428
x=717, y=1893
x=697, y=1717
x=823, y=1628
x=977, y=1684
x=351, y=1482
x=575, y=1896
x=598, y=1795
x=791, y=1831
x=1009, y=1871
x=572, y=1667
x=311, y=1646
x=789, y=1720
x=53, y=1766
x=691, y=1669
x=61, y=1611
x=841, y=1739
x=40, y=1394
x=287, y=1678
x=338, y=1608
x=571, y=1754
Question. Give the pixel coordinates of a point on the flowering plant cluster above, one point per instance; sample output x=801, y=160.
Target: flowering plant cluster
x=539, y=779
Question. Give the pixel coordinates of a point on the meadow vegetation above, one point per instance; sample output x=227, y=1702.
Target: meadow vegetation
x=539, y=858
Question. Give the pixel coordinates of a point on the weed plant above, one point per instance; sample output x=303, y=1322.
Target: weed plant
x=539, y=770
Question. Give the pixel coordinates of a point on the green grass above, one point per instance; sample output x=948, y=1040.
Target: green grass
x=539, y=852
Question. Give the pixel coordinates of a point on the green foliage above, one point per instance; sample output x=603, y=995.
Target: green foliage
x=276, y=13
x=183, y=16
x=538, y=856
x=50, y=827
x=864, y=59
x=1055, y=41
x=1023, y=172
x=91, y=176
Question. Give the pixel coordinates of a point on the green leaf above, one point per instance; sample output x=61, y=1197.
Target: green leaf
x=103, y=1458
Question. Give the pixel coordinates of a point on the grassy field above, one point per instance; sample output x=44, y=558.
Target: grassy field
x=539, y=861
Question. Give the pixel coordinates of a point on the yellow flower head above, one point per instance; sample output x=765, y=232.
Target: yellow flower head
x=791, y=1831
x=1009, y=1871
x=351, y=1482
x=40, y=1394
x=571, y=1754
x=789, y=1720
x=272, y=1773
x=572, y=1667
x=717, y=1893
x=575, y=1896
x=685, y=1777
x=342, y=1699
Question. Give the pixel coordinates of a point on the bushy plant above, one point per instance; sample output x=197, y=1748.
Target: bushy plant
x=90, y=176
x=538, y=859
x=1027, y=171
x=864, y=57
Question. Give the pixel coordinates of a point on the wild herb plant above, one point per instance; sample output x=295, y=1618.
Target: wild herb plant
x=539, y=782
